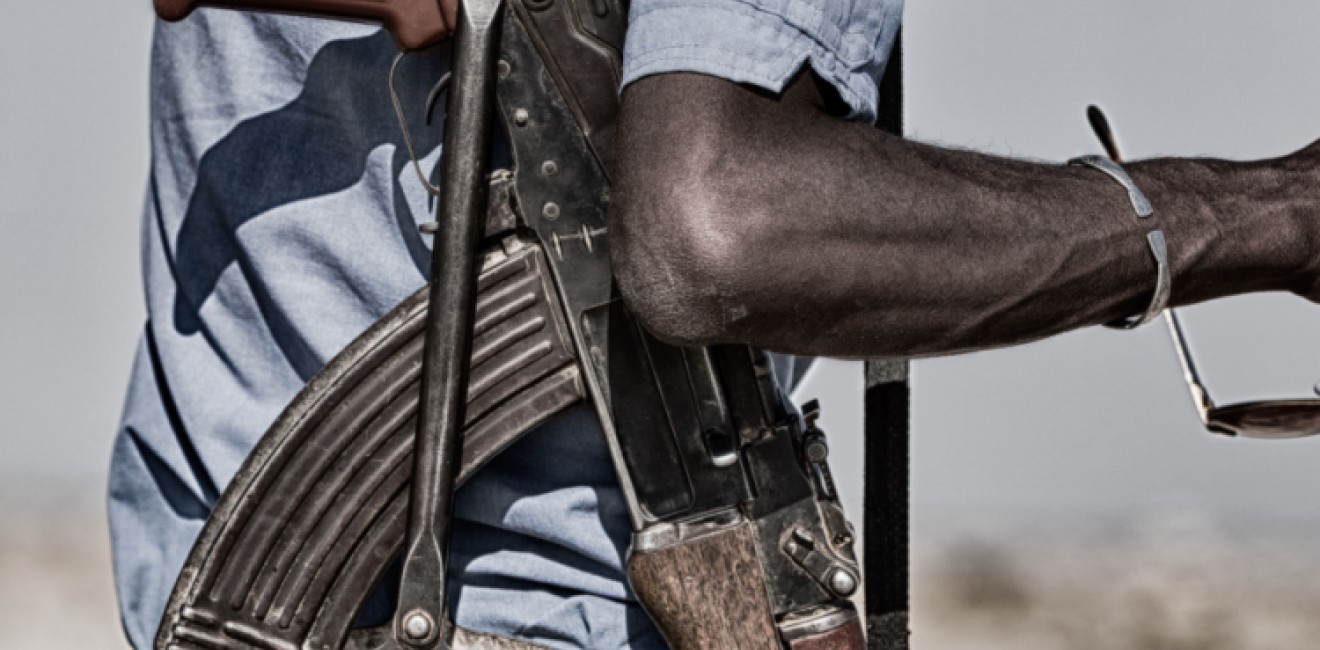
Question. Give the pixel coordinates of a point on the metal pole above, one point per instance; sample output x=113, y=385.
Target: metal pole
x=885, y=529
x=436, y=454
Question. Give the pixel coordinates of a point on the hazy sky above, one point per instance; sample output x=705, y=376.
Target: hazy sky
x=1100, y=419
x=1094, y=421
x=73, y=166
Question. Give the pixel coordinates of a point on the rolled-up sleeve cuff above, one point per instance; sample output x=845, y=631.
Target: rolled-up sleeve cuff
x=761, y=42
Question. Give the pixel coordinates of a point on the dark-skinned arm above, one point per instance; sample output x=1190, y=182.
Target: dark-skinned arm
x=740, y=215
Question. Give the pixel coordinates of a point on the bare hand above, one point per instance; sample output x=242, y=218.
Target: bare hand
x=415, y=24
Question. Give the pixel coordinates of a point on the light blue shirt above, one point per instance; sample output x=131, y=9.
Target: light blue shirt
x=281, y=220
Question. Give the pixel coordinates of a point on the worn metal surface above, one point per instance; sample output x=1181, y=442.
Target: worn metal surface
x=846, y=637
x=674, y=418
x=541, y=127
x=816, y=622
x=447, y=346
x=581, y=47
x=310, y=522
x=699, y=437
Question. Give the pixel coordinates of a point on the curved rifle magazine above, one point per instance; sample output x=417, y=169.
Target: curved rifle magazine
x=313, y=518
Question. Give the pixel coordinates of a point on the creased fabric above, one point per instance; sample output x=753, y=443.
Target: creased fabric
x=281, y=221
x=765, y=42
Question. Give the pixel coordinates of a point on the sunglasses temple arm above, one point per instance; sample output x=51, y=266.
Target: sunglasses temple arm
x=1100, y=125
x=1199, y=395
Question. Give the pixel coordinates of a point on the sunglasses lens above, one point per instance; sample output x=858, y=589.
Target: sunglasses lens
x=1285, y=419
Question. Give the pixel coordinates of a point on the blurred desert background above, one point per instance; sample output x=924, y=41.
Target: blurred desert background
x=1186, y=582
x=1064, y=495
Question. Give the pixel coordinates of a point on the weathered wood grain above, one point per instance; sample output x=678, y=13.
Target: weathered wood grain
x=707, y=593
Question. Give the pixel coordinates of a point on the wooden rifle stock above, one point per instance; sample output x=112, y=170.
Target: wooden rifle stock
x=415, y=24
x=707, y=592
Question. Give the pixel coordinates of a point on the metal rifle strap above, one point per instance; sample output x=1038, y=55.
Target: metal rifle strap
x=885, y=519
x=470, y=118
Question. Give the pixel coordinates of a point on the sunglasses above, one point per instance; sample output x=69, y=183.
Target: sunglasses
x=1270, y=419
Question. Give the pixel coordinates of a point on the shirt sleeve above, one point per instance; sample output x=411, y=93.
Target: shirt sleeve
x=766, y=42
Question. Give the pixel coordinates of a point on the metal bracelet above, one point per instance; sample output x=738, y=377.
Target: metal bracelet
x=1163, y=285
x=1155, y=238
x=1114, y=171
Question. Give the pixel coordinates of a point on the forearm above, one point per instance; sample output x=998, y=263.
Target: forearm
x=739, y=216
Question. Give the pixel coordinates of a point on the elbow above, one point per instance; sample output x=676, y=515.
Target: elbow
x=681, y=273
x=681, y=262
x=683, y=235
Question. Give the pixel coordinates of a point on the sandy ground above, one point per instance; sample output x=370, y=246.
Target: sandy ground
x=1179, y=582
x=1171, y=583
x=56, y=590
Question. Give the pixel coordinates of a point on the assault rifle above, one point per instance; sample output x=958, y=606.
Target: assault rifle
x=740, y=540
